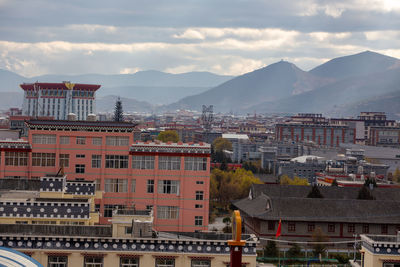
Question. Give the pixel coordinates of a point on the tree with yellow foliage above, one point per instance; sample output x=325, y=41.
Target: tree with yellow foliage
x=396, y=175
x=226, y=186
x=285, y=180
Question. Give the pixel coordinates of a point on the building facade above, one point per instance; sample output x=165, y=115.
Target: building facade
x=172, y=179
x=59, y=99
x=320, y=134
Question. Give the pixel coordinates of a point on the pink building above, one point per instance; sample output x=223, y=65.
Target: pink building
x=173, y=179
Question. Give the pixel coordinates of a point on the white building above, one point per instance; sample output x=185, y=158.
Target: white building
x=59, y=99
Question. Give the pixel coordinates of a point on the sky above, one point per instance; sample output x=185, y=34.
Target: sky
x=225, y=37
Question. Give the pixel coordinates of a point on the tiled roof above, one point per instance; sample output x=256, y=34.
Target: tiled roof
x=321, y=209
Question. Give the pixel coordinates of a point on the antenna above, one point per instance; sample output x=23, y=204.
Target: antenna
x=207, y=117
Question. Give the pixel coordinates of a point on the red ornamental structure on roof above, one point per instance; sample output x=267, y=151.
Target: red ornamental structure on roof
x=59, y=100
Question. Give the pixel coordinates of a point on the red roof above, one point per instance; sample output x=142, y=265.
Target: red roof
x=77, y=86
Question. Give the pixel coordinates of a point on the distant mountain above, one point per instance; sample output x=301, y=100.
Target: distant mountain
x=107, y=104
x=10, y=100
x=355, y=65
x=276, y=81
x=387, y=102
x=337, y=94
x=152, y=86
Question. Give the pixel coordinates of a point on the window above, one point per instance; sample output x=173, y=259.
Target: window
x=195, y=164
x=97, y=207
x=150, y=186
x=116, y=185
x=167, y=212
x=129, y=262
x=43, y=159
x=44, y=139
x=384, y=228
x=98, y=184
x=365, y=229
x=199, y=182
x=271, y=225
x=80, y=156
x=117, y=141
x=80, y=140
x=93, y=262
x=291, y=227
x=169, y=163
x=64, y=160
x=116, y=161
x=133, y=185
x=149, y=207
x=96, y=141
x=96, y=161
x=198, y=220
x=198, y=206
x=80, y=168
x=311, y=227
x=128, y=230
x=168, y=187
x=64, y=140
x=108, y=209
x=57, y=261
x=16, y=158
x=163, y=262
x=199, y=195
x=201, y=263
x=331, y=227
x=351, y=228
x=143, y=162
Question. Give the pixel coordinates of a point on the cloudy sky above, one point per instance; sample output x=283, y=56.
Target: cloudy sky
x=225, y=37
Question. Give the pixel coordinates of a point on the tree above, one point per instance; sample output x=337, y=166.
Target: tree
x=270, y=250
x=220, y=144
x=396, y=175
x=370, y=182
x=229, y=185
x=294, y=251
x=169, y=135
x=118, y=116
x=315, y=193
x=334, y=183
x=365, y=194
x=319, y=236
x=285, y=180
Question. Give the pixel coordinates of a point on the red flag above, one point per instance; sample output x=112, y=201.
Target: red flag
x=278, y=232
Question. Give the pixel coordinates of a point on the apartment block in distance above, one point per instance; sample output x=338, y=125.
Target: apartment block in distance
x=59, y=99
x=170, y=178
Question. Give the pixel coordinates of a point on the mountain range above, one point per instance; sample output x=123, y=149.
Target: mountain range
x=343, y=86
x=334, y=87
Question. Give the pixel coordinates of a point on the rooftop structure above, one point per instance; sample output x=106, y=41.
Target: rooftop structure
x=59, y=99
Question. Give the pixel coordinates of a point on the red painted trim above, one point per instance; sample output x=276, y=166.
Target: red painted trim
x=170, y=154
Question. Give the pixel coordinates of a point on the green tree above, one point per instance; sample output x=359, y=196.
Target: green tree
x=220, y=144
x=118, y=116
x=315, y=193
x=334, y=183
x=169, y=135
x=270, y=250
x=365, y=194
x=319, y=236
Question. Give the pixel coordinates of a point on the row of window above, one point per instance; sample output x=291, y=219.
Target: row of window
x=164, y=187
x=111, y=161
x=50, y=139
x=351, y=227
x=62, y=261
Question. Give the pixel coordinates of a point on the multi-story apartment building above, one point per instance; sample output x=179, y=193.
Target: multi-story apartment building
x=59, y=99
x=172, y=178
x=384, y=136
x=321, y=134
